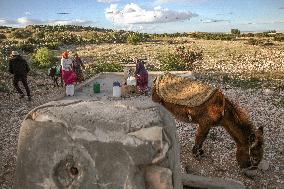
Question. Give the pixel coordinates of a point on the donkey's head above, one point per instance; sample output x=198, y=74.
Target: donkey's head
x=250, y=156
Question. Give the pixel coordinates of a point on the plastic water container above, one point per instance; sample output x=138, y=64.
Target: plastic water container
x=131, y=81
x=116, y=89
x=96, y=87
x=70, y=90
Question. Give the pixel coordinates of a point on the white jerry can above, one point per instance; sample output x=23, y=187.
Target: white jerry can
x=70, y=90
x=116, y=89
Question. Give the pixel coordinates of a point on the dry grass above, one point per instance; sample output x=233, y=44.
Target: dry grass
x=223, y=57
x=237, y=60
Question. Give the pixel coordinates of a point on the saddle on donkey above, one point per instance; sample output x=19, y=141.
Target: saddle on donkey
x=182, y=90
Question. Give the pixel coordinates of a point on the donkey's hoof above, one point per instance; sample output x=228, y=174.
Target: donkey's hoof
x=197, y=152
x=250, y=173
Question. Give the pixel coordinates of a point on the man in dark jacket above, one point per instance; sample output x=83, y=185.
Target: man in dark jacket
x=20, y=68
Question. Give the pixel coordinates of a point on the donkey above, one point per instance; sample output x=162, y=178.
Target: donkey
x=55, y=73
x=219, y=110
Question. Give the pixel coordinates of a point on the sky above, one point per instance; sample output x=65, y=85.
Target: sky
x=155, y=16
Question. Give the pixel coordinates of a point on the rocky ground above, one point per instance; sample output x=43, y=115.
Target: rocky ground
x=13, y=111
x=219, y=161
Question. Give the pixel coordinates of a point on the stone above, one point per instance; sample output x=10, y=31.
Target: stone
x=250, y=173
x=98, y=144
x=268, y=91
x=196, y=181
x=263, y=165
x=158, y=178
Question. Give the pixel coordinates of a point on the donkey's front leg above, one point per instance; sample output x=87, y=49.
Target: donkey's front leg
x=56, y=81
x=200, y=137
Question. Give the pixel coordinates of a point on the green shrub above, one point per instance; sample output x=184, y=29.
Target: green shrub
x=43, y=58
x=279, y=37
x=172, y=62
x=252, y=41
x=262, y=42
x=39, y=35
x=21, y=33
x=213, y=36
x=108, y=67
x=134, y=38
x=102, y=66
x=26, y=47
x=179, y=60
x=3, y=36
x=31, y=40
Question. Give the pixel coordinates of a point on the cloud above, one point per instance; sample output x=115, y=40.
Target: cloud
x=108, y=1
x=266, y=22
x=179, y=1
x=70, y=22
x=24, y=21
x=223, y=14
x=281, y=7
x=6, y=22
x=134, y=14
x=27, y=21
x=164, y=1
x=28, y=13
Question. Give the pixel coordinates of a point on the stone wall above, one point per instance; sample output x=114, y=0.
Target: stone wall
x=129, y=144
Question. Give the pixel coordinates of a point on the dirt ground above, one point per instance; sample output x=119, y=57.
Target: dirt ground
x=219, y=160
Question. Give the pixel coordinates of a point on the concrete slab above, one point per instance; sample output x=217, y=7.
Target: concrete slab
x=85, y=90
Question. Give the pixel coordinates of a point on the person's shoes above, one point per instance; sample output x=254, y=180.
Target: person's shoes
x=22, y=96
x=29, y=98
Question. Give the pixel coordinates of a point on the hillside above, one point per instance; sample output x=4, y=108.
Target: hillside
x=247, y=67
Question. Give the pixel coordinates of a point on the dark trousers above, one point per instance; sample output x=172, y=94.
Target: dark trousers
x=23, y=79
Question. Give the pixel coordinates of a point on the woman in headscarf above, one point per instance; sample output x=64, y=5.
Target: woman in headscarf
x=68, y=75
x=141, y=76
x=77, y=66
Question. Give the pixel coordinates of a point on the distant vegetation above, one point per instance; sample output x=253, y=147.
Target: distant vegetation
x=39, y=42
x=235, y=31
x=53, y=37
x=213, y=36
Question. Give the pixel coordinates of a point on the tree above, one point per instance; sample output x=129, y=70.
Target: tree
x=235, y=31
x=2, y=36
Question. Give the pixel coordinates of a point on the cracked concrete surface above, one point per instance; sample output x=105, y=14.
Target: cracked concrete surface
x=97, y=142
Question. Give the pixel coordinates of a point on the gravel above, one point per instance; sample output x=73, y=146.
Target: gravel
x=219, y=160
x=12, y=111
x=219, y=147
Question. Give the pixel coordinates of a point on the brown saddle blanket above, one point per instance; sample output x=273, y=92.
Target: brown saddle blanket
x=182, y=91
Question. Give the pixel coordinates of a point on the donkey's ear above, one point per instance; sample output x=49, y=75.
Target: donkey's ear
x=252, y=138
x=260, y=129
